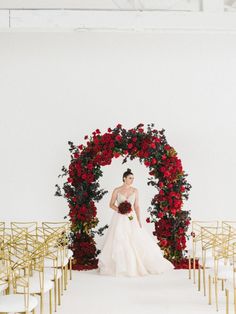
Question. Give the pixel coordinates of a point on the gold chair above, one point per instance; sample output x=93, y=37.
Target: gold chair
x=196, y=250
x=17, y=266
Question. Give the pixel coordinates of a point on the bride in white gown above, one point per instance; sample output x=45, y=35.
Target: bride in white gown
x=128, y=249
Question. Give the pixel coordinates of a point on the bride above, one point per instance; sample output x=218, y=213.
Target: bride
x=128, y=249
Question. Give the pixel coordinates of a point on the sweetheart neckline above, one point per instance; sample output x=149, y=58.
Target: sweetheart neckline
x=125, y=196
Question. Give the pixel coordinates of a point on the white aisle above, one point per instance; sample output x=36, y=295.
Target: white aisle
x=169, y=293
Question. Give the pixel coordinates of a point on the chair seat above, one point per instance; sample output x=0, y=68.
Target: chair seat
x=209, y=261
x=49, y=273
x=49, y=262
x=69, y=253
x=197, y=253
x=3, y=285
x=226, y=273
x=34, y=285
x=16, y=303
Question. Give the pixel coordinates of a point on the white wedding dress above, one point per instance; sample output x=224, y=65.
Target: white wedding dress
x=128, y=249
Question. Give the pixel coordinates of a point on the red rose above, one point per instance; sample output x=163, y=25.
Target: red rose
x=76, y=155
x=166, y=174
x=84, y=176
x=167, y=147
x=147, y=163
x=119, y=126
x=153, y=145
x=161, y=184
x=98, y=131
x=163, y=242
x=90, y=166
x=154, y=161
x=173, y=211
x=148, y=220
x=86, y=137
x=118, y=138
x=163, y=157
x=160, y=215
x=130, y=145
x=109, y=129
x=182, y=189
x=116, y=154
x=134, y=139
x=80, y=147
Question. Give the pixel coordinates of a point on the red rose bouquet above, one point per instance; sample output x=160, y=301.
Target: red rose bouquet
x=125, y=208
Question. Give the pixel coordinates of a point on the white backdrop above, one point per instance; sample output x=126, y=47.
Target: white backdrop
x=57, y=87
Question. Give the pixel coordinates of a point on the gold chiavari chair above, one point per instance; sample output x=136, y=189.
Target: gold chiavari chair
x=230, y=287
x=17, y=264
x=40, y=284
x=222, y=267
x=62, y=259
x=53, y=272
x=196, y=251
x=62, y=229
x=30, y=227
x=53, y=269
x=35, y=250
x=206, y=260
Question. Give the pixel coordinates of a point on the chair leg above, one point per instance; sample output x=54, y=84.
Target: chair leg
x=66, y=276
x=62, y=280
x=41, y=303
x=70, y=268
x=216, y=294
x=234, y=300
x=55, y=295
x=50, y=301
x=194, y=270
x=209, y=285
x=199, y=278
x=227, y=301
x=59, y=291
x=189, y=267
x=204, y=280
x=222, y=285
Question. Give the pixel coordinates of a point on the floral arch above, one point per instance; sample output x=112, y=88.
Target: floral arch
x=82, y=189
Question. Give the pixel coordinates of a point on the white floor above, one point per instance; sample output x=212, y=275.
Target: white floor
x=169, y=293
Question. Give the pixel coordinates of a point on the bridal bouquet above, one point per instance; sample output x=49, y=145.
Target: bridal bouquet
x=125, y=208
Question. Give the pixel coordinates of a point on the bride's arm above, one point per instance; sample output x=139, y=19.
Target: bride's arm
x=136, y=207
x=113, y=200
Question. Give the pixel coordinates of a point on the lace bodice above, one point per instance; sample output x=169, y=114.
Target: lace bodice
x=121, y=198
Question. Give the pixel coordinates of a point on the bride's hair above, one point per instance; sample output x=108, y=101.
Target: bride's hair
x=127, y=173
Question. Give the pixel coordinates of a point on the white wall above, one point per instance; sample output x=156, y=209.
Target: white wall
x=57, y=87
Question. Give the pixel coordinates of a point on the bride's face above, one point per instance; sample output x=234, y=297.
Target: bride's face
x=129, y=179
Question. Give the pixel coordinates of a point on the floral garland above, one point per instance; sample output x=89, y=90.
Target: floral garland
x=82, y=189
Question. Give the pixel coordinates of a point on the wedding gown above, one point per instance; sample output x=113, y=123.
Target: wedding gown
x=128, y=249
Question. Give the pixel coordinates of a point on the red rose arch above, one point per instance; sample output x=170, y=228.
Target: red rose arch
x=82, y=190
